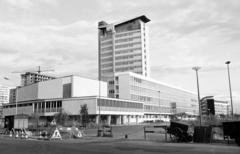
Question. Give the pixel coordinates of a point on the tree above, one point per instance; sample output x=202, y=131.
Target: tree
x=84, y=115
x=61, y=118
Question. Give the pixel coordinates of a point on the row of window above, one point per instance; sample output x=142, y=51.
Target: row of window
x=106, y=54
x=18, y=105
x=128, y=57
x=127, y=68
x=127, y=34
x=107, y=71
x=127, y=62
x=156, y=86
x=128, y=39
x=127, y=51
x=106, y=65
x=122, y=104
x=141, y=98
x=107, y=48
x=106, y=59
x=160, y=109
x=106, y=43
x=3, y=98
x=48, y=104
x=127, y=45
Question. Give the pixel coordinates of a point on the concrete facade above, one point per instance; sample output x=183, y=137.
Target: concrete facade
x=65, y=87
x=105, y=107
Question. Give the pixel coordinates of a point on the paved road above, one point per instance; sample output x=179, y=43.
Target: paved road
x=109, y=146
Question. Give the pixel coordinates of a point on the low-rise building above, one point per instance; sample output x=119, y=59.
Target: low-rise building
x=69, y=93
x=159, y=98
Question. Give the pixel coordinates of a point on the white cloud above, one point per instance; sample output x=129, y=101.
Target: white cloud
x=66, y=46
x=29, y=4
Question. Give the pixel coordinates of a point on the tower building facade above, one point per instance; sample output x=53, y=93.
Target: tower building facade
x=123, y=47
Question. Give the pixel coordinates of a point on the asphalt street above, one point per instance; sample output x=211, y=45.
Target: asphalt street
x=109, y=146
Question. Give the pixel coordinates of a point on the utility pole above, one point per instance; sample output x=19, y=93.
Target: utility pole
x=99, y=107
x=159, y=103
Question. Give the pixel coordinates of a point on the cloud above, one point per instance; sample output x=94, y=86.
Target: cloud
x=66, y=46
x=29, y=4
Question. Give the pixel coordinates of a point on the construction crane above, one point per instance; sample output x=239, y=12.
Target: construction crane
x=39, y=70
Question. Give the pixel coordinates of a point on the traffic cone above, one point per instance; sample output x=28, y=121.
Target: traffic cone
x=17, y=134
x=22, y=135
x=40, y=134
x=10, y=134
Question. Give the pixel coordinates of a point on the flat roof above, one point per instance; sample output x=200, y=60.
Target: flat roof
x=153, y=80
x=72, y=98
x=142, y=17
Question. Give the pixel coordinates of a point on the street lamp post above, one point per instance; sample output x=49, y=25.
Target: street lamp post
x=16, y=99
x=196, y=68
x=159, y=104
x=99, y=108
x=230, y=89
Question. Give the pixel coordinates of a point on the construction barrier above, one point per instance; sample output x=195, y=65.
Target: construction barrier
x=56, y=135
x=105, y=131
x=152, y=129
x=202, y=134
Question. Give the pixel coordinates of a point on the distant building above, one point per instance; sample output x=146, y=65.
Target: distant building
x=123, y=47
x=4, y=97
x=214, y=107
x=4, y=94
x=12, y=95
x=30, y=78
x=222, y=107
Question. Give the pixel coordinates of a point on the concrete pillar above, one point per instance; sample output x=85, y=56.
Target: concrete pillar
x=128, y=119
x=44, y=107
x=97, y=119
x=109, y=120
x=137, y=119
x=118, y=120
x=124, y=119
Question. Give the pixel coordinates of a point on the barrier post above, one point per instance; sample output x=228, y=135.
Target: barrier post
x=144, y=132
x=166, y=134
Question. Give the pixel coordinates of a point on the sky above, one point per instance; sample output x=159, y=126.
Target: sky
x=62, y=35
